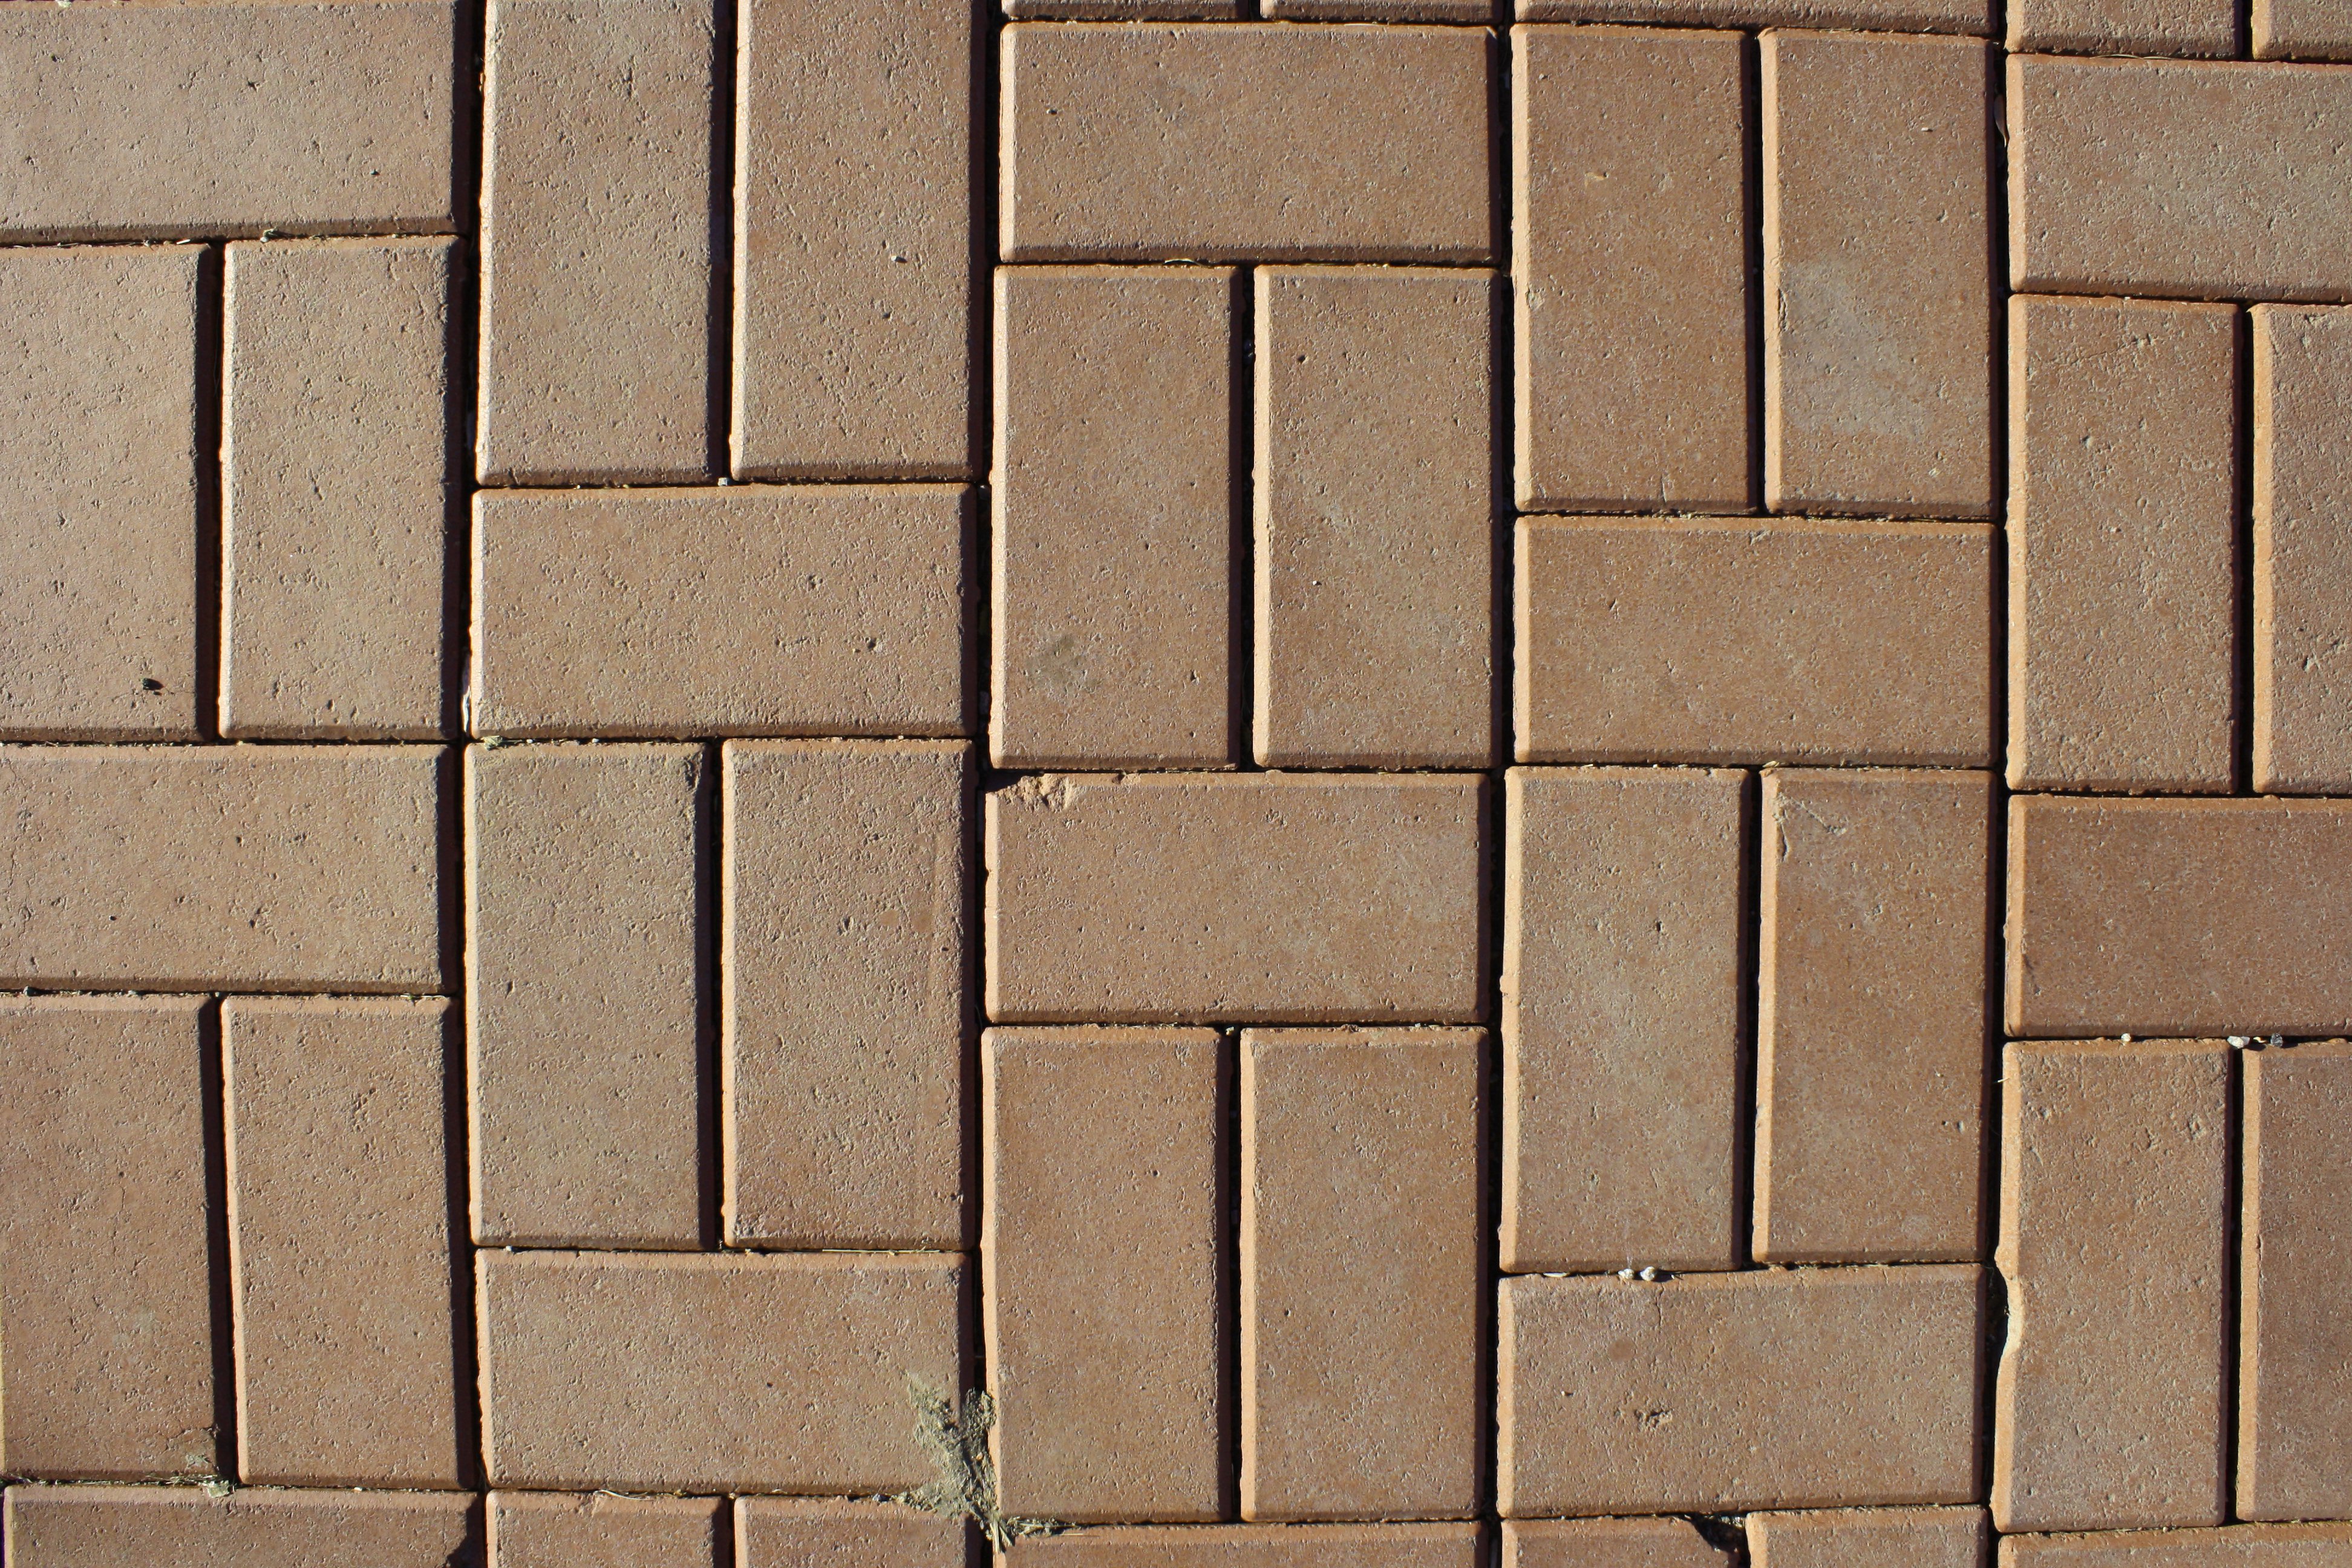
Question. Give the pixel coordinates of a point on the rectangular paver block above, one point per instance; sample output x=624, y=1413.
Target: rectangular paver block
x=584, y=993
x=2294, y=1275
x=797, y=1532
x=599, y=1529
x=778, y=1372
x=335, y=489
x=1375, y=518
x=1622, y=1056
x=2201, y=28
x=844, y=953
x=2123, y=545
x=2156, y=916
x=1735, y=640
x=221, y=867
x=342, y=1230
x=598, y=235
x=1878, y=275
x=1654, y=1542
x=1871, y=1537
x=1257, y=1546
x=1103, y=1225
x=1719, y=1392
x=99, y=508
x=2234, y=1546
x=853, y=252
x=748, y=610
x=2229, y=182
x=2300, y=29
x=2113, y=1238
x=1873, y=1016
x=1361, y=1194
x=147, y=121
x=1272, y=898
x=1629, y=269
x=1147, y=142
x=255, y=1527
x=1113, y=511
x=105, y=1291
x=1980, y=17
x=2303, y=537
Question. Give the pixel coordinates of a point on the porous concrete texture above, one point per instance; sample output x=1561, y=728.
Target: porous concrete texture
x=1176, y=784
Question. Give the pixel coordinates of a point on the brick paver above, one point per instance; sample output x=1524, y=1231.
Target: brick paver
x=1609, y=1543
x=135, y=1527
x=2236, y=1546
x=1867, y=1537
x=1257, y=1546
x=786, y=1533
x=600, y=1530
x=2303, y=486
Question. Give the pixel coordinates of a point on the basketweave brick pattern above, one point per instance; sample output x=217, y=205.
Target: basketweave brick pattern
x=1176, y=784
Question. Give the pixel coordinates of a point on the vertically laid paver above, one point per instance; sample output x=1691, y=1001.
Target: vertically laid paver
x=600, y=1530
x=2295, y=1271
x=1114, y=519
x=1878, y=275
x=1723, y=1393
x=598, y=239
x=845, y=957
x=1728, y=640
x=1375, y=518
x=1873, y=1001
x=1622, y=1056
x=852, y=242
x=2115, y=926
x=1629, y=269
x=343, y=1232
x=98, y=513
x=2123, y=547
x=1103, y=1225
x=1147, y=141
x=2302, y=535
x=2115, y=1231
x=335, y=487
x=252, y=1527
x=584, y=993
x=105, y=1288
x=1361, y=1198
x=1217, y=897
x=222, y=867
x=781, y=1373
x=1869, y=1536
x=788, y=1533
x=162, y=122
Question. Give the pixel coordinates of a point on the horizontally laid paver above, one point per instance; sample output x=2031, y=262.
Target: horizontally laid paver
x=233, y=119
x=2232, y=1546
x=1878, y=275
x=790, y=1532
x=1735, y=640
x=1457, y=1545
x=1639, y=1542
x=105, y=1294
x=585, y=993
x=1270, y=897
x=253, y=1527
x=335, y=485
x=1873, y=1016
x=853, y=329
x=1629, y=268
x=2155, y=917
x=2179, y=177
x=2123, y=545
x=2195, y=28
x=1361, y=1197
x=1870, y=1537
x=598, y=237
x=1375, y=537
x=2300, y=29
x=1103, y=1225
x=342, y=1229
x=2115, y=1231
x=98, y=513
x=2295, y=1273
x=845, y=934
x=600, y=1530
x=1115, y=523
x=1720, y=1393
x=1149, y=142
x=1979, y=16
x=1623, y=899
x=789, y=1373
x=222, y=867
x=743, y=610
x=2303, y=536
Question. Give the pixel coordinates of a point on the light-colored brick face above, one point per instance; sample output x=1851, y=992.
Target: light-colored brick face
x=2302, y=532
x=1258, y=1546
x=796, y=1532
x=2234, y=1546
x=136, y=1527
x=568, y=1529
x=1868, y=1537
x=1656, y=1542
